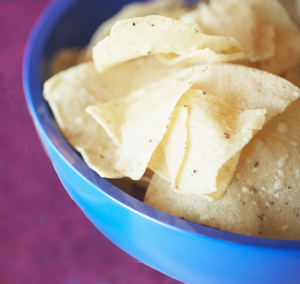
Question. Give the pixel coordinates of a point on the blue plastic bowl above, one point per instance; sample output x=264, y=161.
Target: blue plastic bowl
x=183, y=250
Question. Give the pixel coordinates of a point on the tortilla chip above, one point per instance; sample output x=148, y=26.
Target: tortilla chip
x=287, y=36
x=138, y=37
x=273, y=168
x=163, y=161
x=139, y=121
x=158, y=164
x=248, y=88
x=263, y=196
x=68, y=93
x=227, y=213
x=71, y=91
x=216, y=134
x=238, y=20
x=172, y=9
x=201, y=56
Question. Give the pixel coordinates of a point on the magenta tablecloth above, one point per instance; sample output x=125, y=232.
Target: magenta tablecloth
x=44, y=237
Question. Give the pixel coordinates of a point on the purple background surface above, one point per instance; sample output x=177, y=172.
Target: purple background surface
x=44, y=236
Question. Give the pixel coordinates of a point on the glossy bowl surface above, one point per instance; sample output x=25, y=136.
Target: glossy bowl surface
x=185, y=251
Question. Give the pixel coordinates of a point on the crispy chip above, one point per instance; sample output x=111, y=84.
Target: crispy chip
x=163, y=160
x=287, y=36
x=139, y=121
x=270, y=165
x=263, y=28
x=248, y=88
x=71, y=91
x=238, y=20
x=138, y=37
x=205, y=55
x=68, y=93
x=216, y=134
x=278, y=94
x=227, y=213
x=170, y=8
x=263, y=197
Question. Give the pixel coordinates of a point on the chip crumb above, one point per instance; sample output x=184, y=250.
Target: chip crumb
x=282, y=127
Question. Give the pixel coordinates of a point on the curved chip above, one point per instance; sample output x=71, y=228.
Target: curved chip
x=135, y=9
x=201, y=56
x=71, y=91
x=248, y=88
x=228, y=213
x=263, y=197
x=139, y=121
x=287, y=36
x=238, y=20
x=163, y=161
x=138, y=37
x=216, y=135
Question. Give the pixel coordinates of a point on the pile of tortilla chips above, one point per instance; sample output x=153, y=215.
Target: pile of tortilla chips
x=199, y=95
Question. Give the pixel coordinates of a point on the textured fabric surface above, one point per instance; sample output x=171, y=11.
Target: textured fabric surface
x=44, y=236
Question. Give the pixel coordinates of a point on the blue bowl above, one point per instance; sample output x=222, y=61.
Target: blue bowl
x=183, y=250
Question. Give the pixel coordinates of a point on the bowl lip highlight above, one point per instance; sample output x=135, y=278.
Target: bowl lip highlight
x=36, y=43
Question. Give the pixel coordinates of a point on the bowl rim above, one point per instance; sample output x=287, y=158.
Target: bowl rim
x=42, y=119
